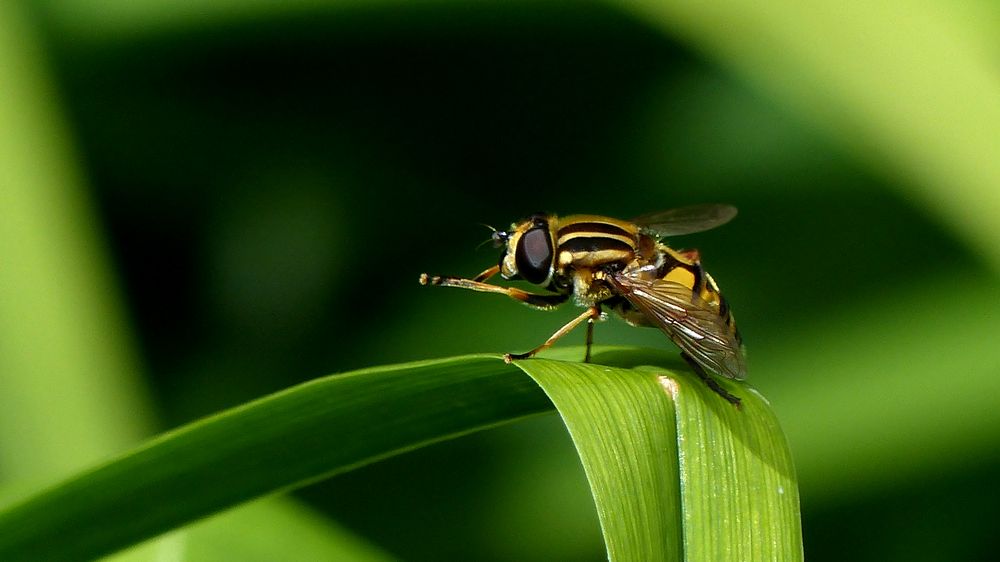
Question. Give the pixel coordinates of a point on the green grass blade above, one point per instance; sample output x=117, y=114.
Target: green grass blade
x=631, y=465
x=676, y=472
x=288, y=439
x=740, y=493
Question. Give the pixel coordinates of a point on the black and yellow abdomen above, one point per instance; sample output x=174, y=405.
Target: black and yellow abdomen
x=684, y=268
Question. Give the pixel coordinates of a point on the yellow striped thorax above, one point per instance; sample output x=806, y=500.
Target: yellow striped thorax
x=543, y=247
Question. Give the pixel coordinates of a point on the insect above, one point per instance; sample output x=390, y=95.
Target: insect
x=623, y=266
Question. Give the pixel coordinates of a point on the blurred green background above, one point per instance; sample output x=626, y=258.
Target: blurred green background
x=205, y=203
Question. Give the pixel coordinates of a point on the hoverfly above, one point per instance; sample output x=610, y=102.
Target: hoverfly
x=623, y=266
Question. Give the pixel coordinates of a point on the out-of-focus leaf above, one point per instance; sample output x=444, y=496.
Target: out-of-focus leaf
x=911, y=88
x=69, y=388
x=264, y=530
x=899, y=387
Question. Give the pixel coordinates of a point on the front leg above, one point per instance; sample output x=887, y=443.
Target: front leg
x=544, y=302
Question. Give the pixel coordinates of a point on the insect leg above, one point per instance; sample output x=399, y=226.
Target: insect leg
x=531, y=299
x=487, y=274
x=590, y=332
x=712, y=383
x=592, y=312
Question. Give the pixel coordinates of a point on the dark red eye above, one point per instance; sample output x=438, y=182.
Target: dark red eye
x=534, y=255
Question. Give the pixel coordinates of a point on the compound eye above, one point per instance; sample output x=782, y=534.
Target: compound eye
x=534, y=255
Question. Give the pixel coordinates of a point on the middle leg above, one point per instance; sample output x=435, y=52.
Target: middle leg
x=591, y=313
x=590, y=332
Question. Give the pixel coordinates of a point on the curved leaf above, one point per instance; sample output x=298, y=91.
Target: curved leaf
x=676, y=472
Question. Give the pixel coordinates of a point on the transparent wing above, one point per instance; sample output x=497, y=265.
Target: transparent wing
x=688, y=321
x=685, y=220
